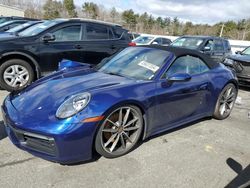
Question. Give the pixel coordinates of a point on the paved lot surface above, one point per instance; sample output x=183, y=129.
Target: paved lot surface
x=198, y=155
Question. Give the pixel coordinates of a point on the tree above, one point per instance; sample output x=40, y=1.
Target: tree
x=113, y=14
x=187, y=28
x=90, y=9
x=176, y=25
x=151, y=22
x=130, y=18
x=160, y=22
x=70, y=8
x=33, y=13
x=52, y=9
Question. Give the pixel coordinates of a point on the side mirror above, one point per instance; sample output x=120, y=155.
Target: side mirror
x=179, y=77
x=48, y=37
x=238, y=52
x=207, y=48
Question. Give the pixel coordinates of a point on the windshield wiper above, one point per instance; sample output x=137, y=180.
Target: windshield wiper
x=113, y=73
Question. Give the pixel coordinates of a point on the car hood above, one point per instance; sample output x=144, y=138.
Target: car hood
x=242, y=58
x=8, y=38
x=7, y=35
x=47, y=94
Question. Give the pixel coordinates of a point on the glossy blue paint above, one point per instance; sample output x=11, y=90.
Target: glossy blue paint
x=164, y=104
x=65, y=63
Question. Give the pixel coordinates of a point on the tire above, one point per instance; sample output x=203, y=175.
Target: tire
x=116, y=138
x=15, y=74
x=225, y=102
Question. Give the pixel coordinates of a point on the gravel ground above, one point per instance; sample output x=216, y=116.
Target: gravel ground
x=202, y=154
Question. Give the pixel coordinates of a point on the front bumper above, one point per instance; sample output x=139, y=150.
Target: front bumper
x=244, y=80
x=70, y=146
x=35, y=142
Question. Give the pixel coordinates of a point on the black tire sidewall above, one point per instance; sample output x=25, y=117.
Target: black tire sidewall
x=9, y=63
x=98, y=146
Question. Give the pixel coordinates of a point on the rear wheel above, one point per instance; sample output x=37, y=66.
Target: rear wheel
x=119, y=132
x=15, y=74
x=225, y=102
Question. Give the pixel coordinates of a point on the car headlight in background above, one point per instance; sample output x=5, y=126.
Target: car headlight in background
x=73, y=105
x=228, y=62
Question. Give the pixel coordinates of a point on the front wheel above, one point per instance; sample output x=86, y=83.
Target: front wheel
x=15, y=74
x=225, y=102
x=120, y=132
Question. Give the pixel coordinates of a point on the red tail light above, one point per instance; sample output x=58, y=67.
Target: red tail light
x=132, y=44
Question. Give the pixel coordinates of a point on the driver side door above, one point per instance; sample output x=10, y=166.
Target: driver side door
x=181, y=101
x=67, y=45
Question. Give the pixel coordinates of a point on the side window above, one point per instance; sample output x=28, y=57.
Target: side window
x=218, y=45
x=227, y=45
x=111, y=36
x=166, y=41
x=118, y=32
x=158, y=40
x=187, y=64
x=70, y=33
x=96, y=32
x=210, y=44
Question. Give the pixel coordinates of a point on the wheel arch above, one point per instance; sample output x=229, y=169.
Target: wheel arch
x=233, y=81
x=26, y=57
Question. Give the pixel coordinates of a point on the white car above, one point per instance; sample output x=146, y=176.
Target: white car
x=152, y=39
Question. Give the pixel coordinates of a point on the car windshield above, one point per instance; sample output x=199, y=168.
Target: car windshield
x=143, y=39
x=6, y=23
x=38, y=28
x=19, y=27
x=135, y=62
x=188, y=42
x=246, y=51
x=2, y=20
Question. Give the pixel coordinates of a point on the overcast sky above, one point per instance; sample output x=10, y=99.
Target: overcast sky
x=198, y=11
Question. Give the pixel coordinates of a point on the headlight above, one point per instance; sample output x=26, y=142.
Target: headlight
x=228, y=62
x=73, y=105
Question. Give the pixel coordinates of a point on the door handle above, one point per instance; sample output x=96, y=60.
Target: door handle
x=203, y=87
x=78, y=46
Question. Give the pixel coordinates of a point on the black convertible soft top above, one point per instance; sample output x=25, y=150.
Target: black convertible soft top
x=183, y=51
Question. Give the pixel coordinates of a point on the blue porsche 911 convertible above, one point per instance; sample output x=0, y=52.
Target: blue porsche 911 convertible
x=141, y=91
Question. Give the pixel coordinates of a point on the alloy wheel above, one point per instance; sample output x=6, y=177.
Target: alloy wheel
x=16, y=76
x=227, y=101
x=121, y=130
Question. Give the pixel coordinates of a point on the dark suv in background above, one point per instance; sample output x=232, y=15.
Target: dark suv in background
x=240, y=63
x=216, y=47
x=38, y=49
